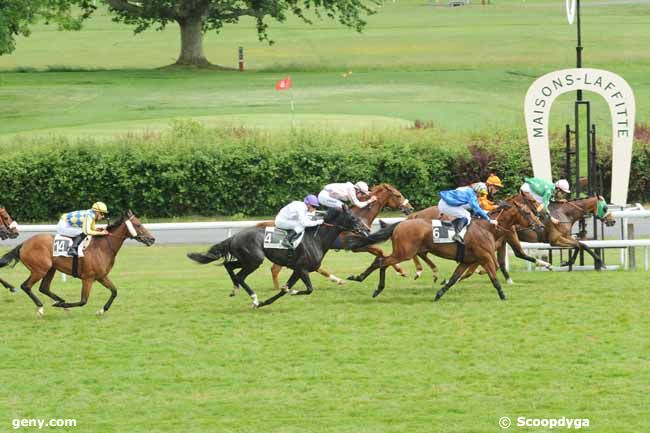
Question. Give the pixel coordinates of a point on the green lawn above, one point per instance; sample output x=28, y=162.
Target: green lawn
x=176, y=354
x=461, y=68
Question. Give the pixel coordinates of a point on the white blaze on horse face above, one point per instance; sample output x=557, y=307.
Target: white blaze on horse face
x=570, y=10
x=129, y=225
x=13, y=225
x=405, y=202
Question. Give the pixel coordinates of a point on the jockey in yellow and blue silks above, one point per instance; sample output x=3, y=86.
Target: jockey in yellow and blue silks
x=81, y=223
x=458, y=202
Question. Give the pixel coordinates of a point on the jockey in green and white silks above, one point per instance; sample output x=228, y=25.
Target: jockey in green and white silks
x=544, y=191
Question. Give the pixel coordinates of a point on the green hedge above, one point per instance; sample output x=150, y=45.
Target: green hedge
x=202, y=172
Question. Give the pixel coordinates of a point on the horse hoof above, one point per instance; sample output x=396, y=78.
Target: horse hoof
x=435, y=278
x=40, y=312
x=417, y=275
x=438, y=296
x=12, y=290
x=99, y=312
x=293, y=292
x=375, y=294
x=502, y=296
x=443, y=282
x=509, y=281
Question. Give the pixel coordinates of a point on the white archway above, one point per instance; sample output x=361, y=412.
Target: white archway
x=618, y=95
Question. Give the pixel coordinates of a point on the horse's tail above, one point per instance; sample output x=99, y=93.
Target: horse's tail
x=11, y=256
x=216, y=252
x=354, y=242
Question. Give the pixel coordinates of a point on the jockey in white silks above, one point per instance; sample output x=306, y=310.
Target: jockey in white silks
x=296, y=216
x=336, y=194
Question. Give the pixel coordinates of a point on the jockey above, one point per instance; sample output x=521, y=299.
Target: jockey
x=457, y=202
x=485, y=197
x=543, y=191
x=336, y=194
x=81, y=223
x=295, y=216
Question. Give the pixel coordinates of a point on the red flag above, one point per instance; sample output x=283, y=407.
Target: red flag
x=283, y=84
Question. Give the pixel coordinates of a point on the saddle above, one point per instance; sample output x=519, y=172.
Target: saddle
x=62, y=246
x=443, y=231
x=276, y=239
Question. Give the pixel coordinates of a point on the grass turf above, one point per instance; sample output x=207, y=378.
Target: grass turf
x=461, y=68
x=177, y=354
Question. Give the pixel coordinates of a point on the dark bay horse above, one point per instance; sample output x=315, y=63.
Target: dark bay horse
x=8, y=230
x=387, y=196
x=559, y=235
x=245, y=251
x=36, y=254
x=414, y=237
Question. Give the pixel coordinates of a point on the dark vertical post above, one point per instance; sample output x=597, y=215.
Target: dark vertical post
x=241, y=59
x=579, y=46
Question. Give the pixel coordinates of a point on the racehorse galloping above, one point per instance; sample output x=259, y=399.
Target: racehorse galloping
x=8, y=229
x=559, y=235
x=245, y=251
x=415, y=237
x=387, y=196
x=36, y=254
x=503, y=236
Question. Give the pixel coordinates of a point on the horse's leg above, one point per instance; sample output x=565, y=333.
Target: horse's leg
x=292, y=280
x=275, y=274
x=8, y=285
x=429, y=262
x=86, y=285
x=490, y=267
x=330, y=276
x=378, y=252
x=501, y=257
x=45, y=286
x=241, y=276
x=469, y=271
x=373, y=266
x=460, y=269
x=27, y=288
x=230, y=268
x=304, y=276
x=598, y=262
x=418, y=267
x=106, y=282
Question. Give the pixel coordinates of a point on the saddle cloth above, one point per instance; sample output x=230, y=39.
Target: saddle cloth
x=274, y=237
x=62, y=244
x=443, y=232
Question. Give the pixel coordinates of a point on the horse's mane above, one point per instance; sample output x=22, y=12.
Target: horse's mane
x=116, y=224
x=387, y=186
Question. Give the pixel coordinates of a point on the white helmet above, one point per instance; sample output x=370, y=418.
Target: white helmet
x=480, y=188
x=563, y=185
x=362, y=187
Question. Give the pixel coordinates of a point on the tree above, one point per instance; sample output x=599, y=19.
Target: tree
x=17, y=15
x=195, y=17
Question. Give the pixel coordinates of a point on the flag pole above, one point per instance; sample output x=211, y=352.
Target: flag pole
x=293, y=120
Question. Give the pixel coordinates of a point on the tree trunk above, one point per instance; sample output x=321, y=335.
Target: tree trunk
x=192, y=42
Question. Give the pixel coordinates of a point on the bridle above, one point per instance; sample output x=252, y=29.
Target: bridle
x=132, y=233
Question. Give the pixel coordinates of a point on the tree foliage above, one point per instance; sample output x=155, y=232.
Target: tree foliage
x=16, y=16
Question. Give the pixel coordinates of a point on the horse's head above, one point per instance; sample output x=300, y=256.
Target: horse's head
x=346, y=221
x=393, y=198
x=527, y=218
x=512, y=212
x=10, y=226
x=136, y=229
x=602, y=213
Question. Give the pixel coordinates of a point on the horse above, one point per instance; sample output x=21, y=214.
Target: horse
x=245, y=251
x=387, y=196
x=8, y=230
x=559, y=235
x=8, y=227
x=36, y=253
x=503, y=237
x=415, y=237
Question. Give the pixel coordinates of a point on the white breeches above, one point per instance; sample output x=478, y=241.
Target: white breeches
x=326, y=200
x=454, y=211
x=64, y=229
x=526, y=188
x=286, y=224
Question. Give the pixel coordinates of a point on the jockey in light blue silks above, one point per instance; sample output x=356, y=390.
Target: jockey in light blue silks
x=457, y=203
x=296, y=216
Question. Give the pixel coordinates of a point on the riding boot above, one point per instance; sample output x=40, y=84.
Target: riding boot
x=459, y=224
x=288, y=241
x=76, y=241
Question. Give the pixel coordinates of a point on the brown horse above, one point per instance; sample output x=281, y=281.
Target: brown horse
x=8, y=229
x=415, y=237
x=386, y=196
x=503, y=236
x=36, y=254
x=559, y=235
